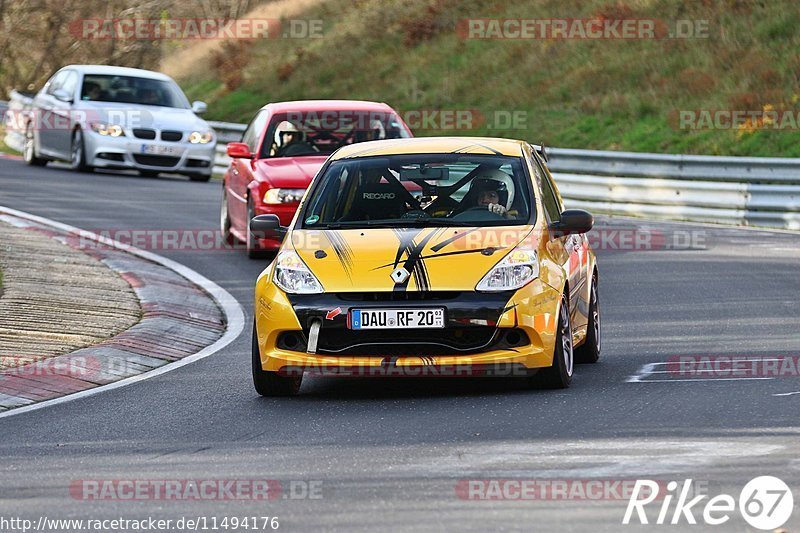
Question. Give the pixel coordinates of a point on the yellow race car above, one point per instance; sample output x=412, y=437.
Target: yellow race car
x=433, y=256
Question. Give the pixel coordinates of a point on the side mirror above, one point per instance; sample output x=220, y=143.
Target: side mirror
x=199, y=107
x=238, y=150
x=573, y=221
x=267, y=227
x=62, y=95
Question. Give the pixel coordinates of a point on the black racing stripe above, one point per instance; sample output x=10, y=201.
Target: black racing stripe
x=438, y=246
x=445, y=254
x=413, y=263
x=343, y=251
x=464, y=149
x=508, y=308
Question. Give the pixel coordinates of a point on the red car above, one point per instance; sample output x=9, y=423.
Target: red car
x=282, y=149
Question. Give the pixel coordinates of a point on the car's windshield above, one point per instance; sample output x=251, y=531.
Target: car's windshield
x=427, y=189
x=132, y=90
x=317, y=133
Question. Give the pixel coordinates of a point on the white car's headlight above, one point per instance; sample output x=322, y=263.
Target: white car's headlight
x=516, y=270
x=284, y=196
x=200, y=137
x=111, y=130
x=293, y=276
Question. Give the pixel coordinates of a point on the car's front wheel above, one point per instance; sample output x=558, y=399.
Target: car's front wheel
x=29, y=149
x=589, y=351
x=253, y=250
x=271, y=383
x=78, y=153
x=559, y=374
x=225, y=220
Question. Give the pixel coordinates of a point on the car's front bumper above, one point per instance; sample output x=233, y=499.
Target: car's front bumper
x=127, y=152
x=502, y=334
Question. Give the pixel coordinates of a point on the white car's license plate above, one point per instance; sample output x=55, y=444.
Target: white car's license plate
x=159, y=149
x=397, y=318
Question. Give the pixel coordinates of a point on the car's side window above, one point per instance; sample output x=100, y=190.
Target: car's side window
x=254, y=129
x=56, y=81
x=70, y=83
x=550, y=199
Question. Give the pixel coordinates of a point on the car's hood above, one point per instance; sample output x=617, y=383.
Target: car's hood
x=142, y=116
x=437, y=259
x=290, y=172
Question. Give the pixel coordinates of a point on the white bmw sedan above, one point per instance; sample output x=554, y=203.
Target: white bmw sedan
x=97, y=116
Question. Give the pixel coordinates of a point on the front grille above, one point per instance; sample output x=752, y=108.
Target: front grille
x=173, y=136
x=404, y=296
x=410, y=342
x=156, y=160
x=141, y=133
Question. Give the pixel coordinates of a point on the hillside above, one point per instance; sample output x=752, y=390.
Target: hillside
x=618, y=94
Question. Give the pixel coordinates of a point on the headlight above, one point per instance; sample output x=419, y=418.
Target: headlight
x=283, y=196
x=516, y=269
x=293, y=276
x=200, y=137
x=112, y=130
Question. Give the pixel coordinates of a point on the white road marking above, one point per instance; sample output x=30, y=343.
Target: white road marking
x=649, y=369
x=787, y=393
x=234, y=314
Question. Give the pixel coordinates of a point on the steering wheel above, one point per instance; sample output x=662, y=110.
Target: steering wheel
x=416, y=214
x=481, y=210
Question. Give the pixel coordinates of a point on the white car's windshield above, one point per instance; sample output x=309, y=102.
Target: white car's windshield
x=412, y=190
x=132, y=90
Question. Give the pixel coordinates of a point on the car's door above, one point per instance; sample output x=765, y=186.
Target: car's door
x=572, y=246
x=45, y=120
x=63, y=115
x=240, y=173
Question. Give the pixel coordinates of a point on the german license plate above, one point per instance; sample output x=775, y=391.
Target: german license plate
x=159, y=149
x=397, y=318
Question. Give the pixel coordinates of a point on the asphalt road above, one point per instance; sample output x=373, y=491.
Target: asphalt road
x=389, y=453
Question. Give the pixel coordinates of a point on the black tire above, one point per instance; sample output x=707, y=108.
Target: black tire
x=78, y=153
x=559, y=375
x=199, y=177
x=589, y=351
x=271, y=383
x=225, y=220
x=29, y=154
x=253, y=251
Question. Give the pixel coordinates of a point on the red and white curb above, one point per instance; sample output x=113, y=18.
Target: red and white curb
x=186, y=317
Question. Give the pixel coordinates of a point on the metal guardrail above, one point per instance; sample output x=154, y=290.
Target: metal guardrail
x=14, y=120
x=226, y=132
x=757, y=191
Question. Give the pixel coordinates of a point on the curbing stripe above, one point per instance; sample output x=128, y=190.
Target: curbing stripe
x=234, y=314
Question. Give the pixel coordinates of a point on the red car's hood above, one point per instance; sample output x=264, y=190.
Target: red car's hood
x=290, y=172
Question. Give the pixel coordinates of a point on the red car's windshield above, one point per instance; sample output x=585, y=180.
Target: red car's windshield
x=315, y=133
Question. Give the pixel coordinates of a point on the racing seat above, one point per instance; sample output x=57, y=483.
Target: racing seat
x=376, y=201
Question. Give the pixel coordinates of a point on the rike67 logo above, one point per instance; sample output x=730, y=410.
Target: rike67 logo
x=765, y=502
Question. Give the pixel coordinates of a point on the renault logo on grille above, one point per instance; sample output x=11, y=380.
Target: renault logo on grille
x=400, y=274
